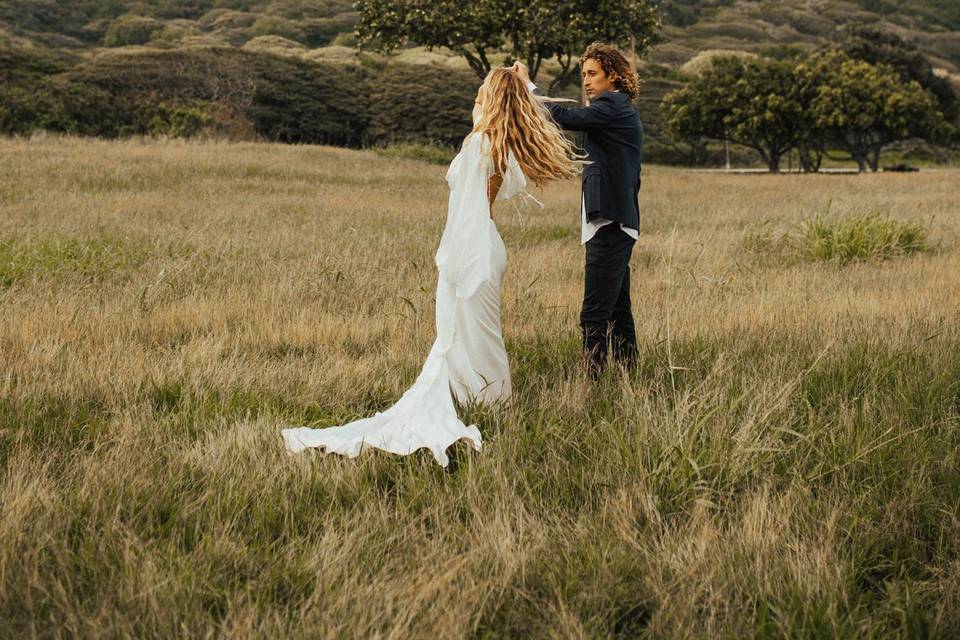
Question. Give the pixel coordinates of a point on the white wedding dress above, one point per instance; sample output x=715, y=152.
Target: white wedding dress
x=468, y=359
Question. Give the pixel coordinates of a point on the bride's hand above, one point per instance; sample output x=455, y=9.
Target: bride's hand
x=521, y=69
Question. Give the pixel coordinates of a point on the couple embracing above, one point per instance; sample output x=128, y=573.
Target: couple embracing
x=517, y=136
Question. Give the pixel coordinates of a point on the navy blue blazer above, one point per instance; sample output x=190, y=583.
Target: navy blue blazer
x=613, y=139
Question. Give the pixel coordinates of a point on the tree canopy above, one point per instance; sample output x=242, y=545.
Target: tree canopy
x=877, y=46
x=829, y=101
x=531, y=30
x=863, y=108
x=747, y=101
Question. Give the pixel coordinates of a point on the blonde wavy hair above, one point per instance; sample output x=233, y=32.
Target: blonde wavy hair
x=514, y=120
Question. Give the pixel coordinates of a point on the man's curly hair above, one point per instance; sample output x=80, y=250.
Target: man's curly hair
x=613, y=63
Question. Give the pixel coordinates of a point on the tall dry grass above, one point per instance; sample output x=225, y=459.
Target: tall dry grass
x=784, y=462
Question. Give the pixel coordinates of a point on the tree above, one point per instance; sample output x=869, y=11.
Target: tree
x=828, y=101
x=531, y=30
x=748, y=102
x=876, y=46
x=814, y=140
x=863, y=108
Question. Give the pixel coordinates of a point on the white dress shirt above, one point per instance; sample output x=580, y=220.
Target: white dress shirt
x=588, y=228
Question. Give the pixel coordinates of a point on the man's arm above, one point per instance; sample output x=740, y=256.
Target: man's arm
x=599, y=114
x=595, y=116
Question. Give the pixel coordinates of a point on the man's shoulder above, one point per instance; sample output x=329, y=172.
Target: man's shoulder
x=616, y=99
x=608, y=96
x=614, y=96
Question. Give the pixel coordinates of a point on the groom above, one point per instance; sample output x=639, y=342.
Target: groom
x=609, y=208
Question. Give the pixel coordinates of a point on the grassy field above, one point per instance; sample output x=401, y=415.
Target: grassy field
x=783, y=463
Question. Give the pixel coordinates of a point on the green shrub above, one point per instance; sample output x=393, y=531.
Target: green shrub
x=129, y=30
x=284, y=99
x=274, y=26
x=178, y=121
x=89, y=111
x=175, y=75
x=422, y=104
x=26, y=107
x=860, y=238
x=275, y=45
x=842, y=240
x=115, y=96
x=24, y=64
x=308, y=102
x=57, y=104
x=56, y=20
x=179, y=92
x=138, y=94
x=171, y=35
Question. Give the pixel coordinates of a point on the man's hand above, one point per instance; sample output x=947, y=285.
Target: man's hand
x=521, y=69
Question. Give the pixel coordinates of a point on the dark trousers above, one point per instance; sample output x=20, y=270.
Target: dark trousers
x=606, y=318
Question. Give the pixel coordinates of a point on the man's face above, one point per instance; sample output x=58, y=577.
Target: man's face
x=595, y=79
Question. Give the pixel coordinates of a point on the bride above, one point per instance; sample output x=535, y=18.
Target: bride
x=513, y=139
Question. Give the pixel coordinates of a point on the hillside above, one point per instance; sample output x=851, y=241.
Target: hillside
x=691, y=26
x=783, y=26
x=322, y=29
x=61, y=36
x=90, y=23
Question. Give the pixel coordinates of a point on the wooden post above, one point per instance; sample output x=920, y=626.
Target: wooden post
x=726, y=145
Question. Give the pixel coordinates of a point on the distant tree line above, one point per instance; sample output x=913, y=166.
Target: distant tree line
x=861, y=98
